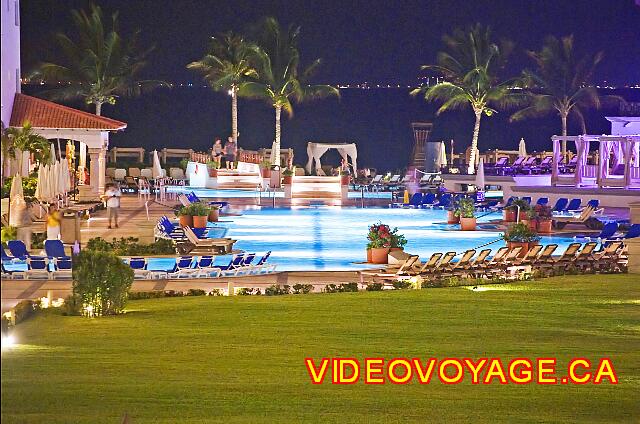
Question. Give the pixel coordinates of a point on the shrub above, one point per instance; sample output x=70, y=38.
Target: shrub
x=466, y=208
x=246, y=291
x=401, y=285
x=341, y=288
x=375, y=287
x=8, y=233
x=72, y=305
x=102, y=281
x=37, y=240
x=302, y=288
x=29, y=185
x=130, y=246
x=277, y=290
x=196, y=292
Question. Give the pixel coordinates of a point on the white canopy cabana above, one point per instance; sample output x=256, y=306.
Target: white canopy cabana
x=316, y=150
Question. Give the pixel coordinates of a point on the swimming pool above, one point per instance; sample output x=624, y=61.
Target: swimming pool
x=235, y=194
x=334, y=238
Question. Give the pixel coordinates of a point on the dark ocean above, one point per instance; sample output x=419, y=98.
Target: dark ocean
x=377, y=120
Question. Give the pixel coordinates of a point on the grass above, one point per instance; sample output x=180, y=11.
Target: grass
x=212, y=359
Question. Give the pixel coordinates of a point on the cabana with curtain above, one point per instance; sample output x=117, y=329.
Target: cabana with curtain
x=316, y=150
x=617, y=165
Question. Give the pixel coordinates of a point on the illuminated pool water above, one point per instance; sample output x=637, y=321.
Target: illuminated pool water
x=334, y=238
x=234, y=194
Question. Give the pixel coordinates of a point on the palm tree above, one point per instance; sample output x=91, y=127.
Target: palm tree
x=280, y=78
x=561, y=83
x=470, y=66
x=99, y=65
x=227, y=66
x=15, y=140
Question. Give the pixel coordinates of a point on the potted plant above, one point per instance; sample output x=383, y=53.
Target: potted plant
x=185, y=218
x=520, y=235
x=531, y=219
x=452, y=216
x=380, y=240
x=200, y=213
x=214, y=213
x=265, y=169
x=544, y=215
x=287, y=176
x=466, y=213
x=212, y=166
x=398, y=241
x=344, y=178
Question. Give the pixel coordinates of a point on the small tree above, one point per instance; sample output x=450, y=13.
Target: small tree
x=102, y=281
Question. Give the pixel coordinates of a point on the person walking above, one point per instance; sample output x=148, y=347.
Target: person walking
x=216, y=152
x=54, y=218
x=230, y=152
x=112, y=198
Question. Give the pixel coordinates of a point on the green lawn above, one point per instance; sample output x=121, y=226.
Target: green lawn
x=213, y=359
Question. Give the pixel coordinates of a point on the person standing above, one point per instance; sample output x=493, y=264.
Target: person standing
x=216, y=152
x=112, y=198
x=230, y=152
x=54, y=218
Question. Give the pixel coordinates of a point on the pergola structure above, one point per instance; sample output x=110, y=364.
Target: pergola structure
x=316, y=150
x=54, y=121
x=617, y=163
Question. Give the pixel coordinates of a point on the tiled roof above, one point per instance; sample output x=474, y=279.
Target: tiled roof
x=45, y=114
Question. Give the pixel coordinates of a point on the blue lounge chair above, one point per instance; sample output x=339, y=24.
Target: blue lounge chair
x=62, y=267
x=18, y=249
x=542, y=201
x=6, y=257
x=193, y=197
x=594, y=203
x=205, y=267
x=607, y=233
x=561, y=205
x=261, y=266
x=428, y=200
x=139, y=267
x=633, y=232
x=574, y=205
x=445, y=201
x=38, y=267
x=235, y=262
x=245, y=267
x=415, y=201
x=55, y=249
x=182, y=268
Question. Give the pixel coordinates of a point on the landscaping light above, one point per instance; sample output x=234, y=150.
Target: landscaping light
x=8, y=341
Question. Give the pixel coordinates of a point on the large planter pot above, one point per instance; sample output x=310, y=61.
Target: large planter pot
x=525, y=247
x=531, y=223
x=544, y=226
x=186, y=221
x=379, y=255
x=509, y=215
x=452, y=218
x=287, y=179
x=213, y=173
x=214, y=214
x=344, y=180
x=369, y=255
x=266, y=172
x=396, y=249
x=200, y=221
x=468, y=224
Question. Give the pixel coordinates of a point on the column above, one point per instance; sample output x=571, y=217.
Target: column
x=94, y=155
x=83, y=158
x=102, y=169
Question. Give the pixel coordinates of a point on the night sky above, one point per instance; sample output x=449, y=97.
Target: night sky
x=359, y=41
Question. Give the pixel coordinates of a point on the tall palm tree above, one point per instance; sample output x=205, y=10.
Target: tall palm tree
x=98, y=65
x=471, y=66
x=281, y=79
x=227, y=66
x=561, y=83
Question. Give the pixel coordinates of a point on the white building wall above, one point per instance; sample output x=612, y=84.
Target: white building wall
x=10, y=51
x=625, y=128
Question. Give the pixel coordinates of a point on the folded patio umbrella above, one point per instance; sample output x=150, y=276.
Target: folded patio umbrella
x=480, y=175
x=157, y=169
x=17, y=205
x=522, y=148
x=442, y=156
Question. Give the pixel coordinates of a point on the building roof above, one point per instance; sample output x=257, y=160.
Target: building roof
x=624, y=119
x=45, y=114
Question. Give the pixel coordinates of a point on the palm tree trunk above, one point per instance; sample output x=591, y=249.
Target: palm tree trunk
x=98, y=108
x=275, y=154
x=563, y=116
x=234, y=114
x=471, y=168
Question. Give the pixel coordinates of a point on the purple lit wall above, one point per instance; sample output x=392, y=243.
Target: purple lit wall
x=10, y=63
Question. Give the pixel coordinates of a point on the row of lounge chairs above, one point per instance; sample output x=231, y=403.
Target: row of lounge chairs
x=192, y=240
x=527, y=165
x=204, y=267
x=506, y=262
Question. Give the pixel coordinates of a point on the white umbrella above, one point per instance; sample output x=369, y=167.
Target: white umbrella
x=17, y=205
x=275, y=154
x=442, y=156
x=480, y=175
x=37, y=194
x=54, y=180
x=522, y=148
x=66, y=183
x=43, y=190
x=157, y=169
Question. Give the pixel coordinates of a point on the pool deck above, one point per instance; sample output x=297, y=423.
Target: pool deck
x=134, y=223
